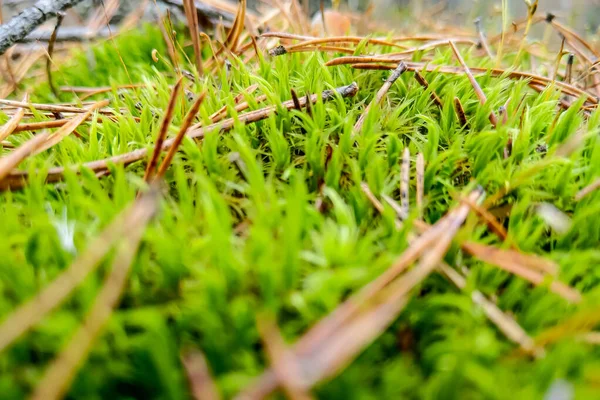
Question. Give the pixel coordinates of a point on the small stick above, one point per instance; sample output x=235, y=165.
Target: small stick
x=380, y=94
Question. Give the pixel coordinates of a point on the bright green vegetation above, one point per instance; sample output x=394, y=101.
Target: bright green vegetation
x=198, y=282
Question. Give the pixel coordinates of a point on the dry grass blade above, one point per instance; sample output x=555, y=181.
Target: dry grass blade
x=420, y=166
x=162, y=133
x=61, y=372
x=14, y=158
x=10, y=126
x=522, y=266
x=505, y=323
x=194, y=28
x=198, y=374
x=480, y=95
x=380, y=94
x=187, y=122
x=588, y=189
x=69, y=127
x=283, y=360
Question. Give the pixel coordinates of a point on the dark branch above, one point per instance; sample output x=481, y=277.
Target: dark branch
x=24, y=23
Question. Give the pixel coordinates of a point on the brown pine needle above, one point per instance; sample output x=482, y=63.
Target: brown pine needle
x=335, y=340
x=69, y=127
x=18, y=178
x=365, y=62
x=341, y=39
x=483, y=40
x=238, y=26
x=476, y=87
x=516, y=265
x=460, y=112
x=582, y=321
x=380, y=94
x=198, y=374
x=283, y=360
x=221, y=112
x=60, y=374
x=376, y=203
x=164, y=128
x=423, y=82
x=295, y=100
x=489, y=219
x=50, y=297
x=59, y=19
x=7, y=129
x=187, y=122
x=420, y=166
x=15, y=157
x=588, y=189
x=504, y=322
x=45, y=107
x=405, y=181
x=194, y=28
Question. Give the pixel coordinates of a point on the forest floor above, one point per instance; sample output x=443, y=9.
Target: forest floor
x=409, y=214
